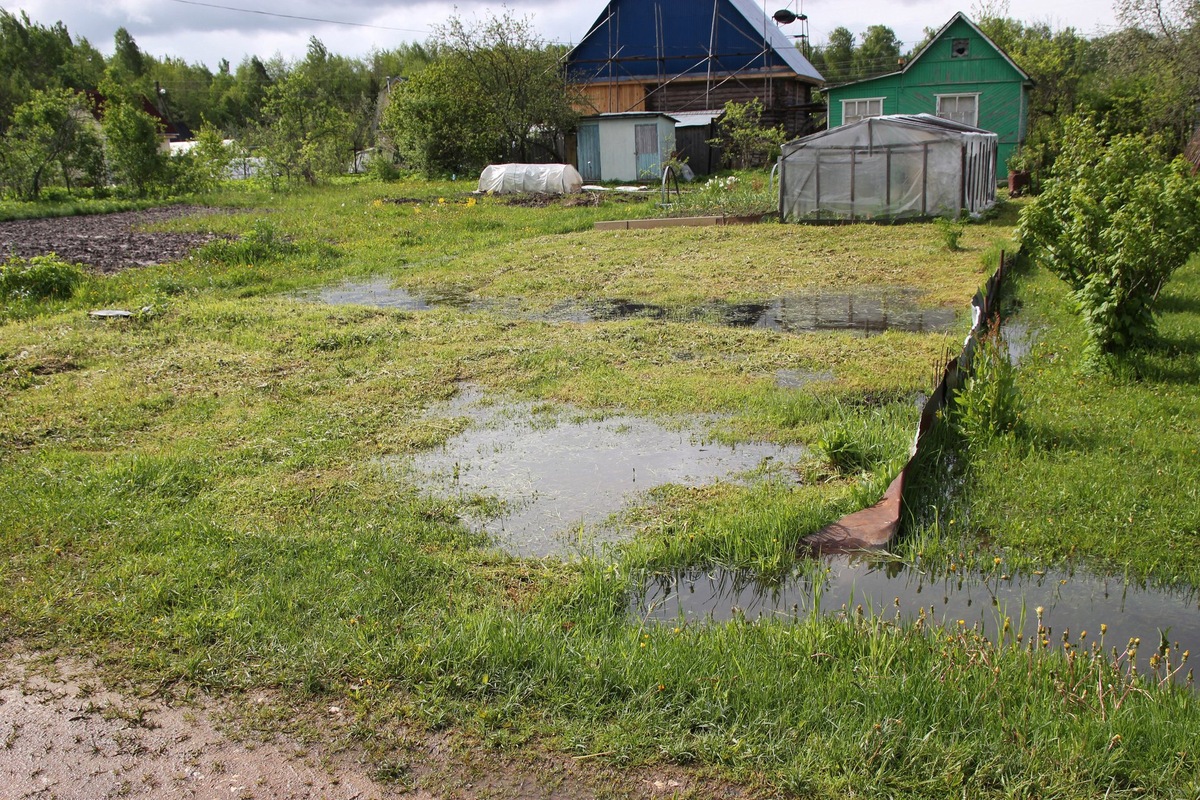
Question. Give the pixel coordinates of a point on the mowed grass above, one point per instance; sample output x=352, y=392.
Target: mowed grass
x=194, y=496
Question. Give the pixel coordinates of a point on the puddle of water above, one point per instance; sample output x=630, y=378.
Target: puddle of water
x=1072, y=603
x=864, y=314
x=799, y=378
x=377, y=292
x=543, y=481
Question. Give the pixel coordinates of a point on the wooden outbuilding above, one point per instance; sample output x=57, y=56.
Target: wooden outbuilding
x=960, y=75
x=671, y=56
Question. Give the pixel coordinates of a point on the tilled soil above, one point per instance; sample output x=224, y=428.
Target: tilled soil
x=105, y=242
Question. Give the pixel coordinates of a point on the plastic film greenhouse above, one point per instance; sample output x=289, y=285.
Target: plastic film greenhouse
x=892, y=167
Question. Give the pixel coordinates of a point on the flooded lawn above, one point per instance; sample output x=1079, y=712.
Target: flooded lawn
x=863, y=313
x=1071, y=603
x=542, y=480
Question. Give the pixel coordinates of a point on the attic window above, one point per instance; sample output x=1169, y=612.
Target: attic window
x=960, y=48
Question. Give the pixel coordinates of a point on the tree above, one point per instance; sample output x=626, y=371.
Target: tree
x=303, y=135
x=878, y=54
x=132, y=146
x=127, y=56
x=34, y=57
x=1150, y=76
x=51, y=134
x=835, y=60
x=1114, y=222
x=742, y=137
x=497, y=92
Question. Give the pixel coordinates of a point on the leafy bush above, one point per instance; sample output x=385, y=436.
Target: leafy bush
x=743, y=138
x=989, y=402
x=950, y=232
x=39, y=278
x=1114, y=222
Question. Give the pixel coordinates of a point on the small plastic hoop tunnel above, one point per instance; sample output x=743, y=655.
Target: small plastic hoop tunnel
x=895, y=167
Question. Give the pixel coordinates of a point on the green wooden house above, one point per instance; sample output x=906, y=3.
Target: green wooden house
x=960, y=75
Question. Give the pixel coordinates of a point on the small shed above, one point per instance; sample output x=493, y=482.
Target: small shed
x=893, y=167
x=625, y=147
x=693, y=132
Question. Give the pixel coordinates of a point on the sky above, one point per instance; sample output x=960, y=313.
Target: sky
x=207, y=31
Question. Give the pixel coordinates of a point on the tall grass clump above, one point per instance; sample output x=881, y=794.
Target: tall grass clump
x=262, y=243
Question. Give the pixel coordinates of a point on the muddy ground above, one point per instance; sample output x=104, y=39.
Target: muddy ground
x=104, y=242
x=64, y=735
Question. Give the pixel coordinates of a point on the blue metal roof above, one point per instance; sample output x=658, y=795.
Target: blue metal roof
x=640, y=39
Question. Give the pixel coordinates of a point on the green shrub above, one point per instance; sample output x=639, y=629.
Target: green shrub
x=989, y=402
x=39, y=278
x=1114, y=221
x=950, y=232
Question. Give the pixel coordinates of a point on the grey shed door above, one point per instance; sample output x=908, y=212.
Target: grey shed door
x=645, y=145
x=588, y=148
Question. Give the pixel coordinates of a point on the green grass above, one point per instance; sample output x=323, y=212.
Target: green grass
x=1101, y=468
x=195, y=496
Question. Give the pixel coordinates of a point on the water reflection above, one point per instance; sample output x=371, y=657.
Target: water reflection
x=864, y=313
x=1072, y=602
x=539, y=478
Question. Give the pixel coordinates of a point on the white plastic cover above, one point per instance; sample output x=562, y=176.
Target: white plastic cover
x=890, y=168
x=540, y=178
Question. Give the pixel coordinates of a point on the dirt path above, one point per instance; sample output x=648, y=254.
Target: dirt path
x=106, y=242
x=64, y=737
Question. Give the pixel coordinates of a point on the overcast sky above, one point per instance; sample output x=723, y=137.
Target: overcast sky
x=210, y=30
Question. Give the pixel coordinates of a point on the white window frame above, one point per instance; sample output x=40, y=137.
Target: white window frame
x=974, y=122
x=847, y=119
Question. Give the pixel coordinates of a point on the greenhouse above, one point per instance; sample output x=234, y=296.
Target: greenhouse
x=895, y=167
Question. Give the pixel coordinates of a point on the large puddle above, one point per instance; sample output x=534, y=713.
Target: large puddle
x=542, y=480
x=865, y=313
x=1071, y=603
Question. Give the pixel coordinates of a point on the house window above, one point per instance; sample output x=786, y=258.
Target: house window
x=962, y=108
x=960, y=48
x=855, y=110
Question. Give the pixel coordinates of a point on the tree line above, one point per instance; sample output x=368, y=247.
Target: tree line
x=74, y=120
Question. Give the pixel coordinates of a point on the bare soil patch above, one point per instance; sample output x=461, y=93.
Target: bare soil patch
x=63, y=734
x=105, y=242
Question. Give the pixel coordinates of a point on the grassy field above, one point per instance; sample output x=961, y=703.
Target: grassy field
x=194, y=495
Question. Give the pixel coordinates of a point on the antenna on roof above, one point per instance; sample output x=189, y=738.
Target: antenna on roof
x=785, y=16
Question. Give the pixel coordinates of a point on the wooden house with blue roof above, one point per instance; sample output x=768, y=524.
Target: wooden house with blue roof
x=673, y=56
x=961, y=75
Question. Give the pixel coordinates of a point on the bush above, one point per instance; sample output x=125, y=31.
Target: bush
x=39, y=278
x=1114, y=222
x=950, y=232
x=988, y=403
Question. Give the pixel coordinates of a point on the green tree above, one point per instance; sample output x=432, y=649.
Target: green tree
x=133, y=147
x=127, y=56
x=742, y=137
x=304, y=136
x=35, y=57
x=497, y=92
x=878, y=54
x=835, y=59
x=51, y=135
x=1114, y=222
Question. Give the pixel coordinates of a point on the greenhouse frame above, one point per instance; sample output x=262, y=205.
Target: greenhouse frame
x=889, y=168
